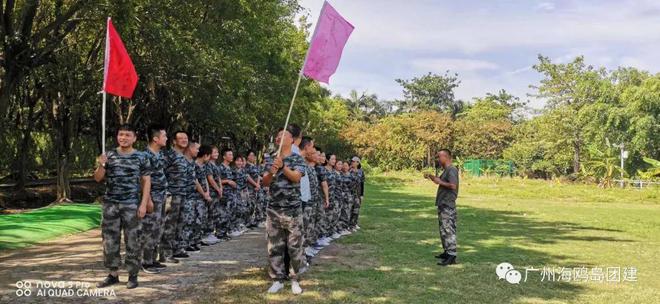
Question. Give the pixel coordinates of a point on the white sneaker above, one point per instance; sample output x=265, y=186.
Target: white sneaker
x=234, y=233
x=295, y=287
x=277, y=286
x=345, y=232
x=336, y=236
x=357, y=227
x=309, y=251
x=212, y=239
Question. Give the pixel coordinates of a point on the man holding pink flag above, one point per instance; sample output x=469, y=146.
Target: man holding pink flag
x=284, y=224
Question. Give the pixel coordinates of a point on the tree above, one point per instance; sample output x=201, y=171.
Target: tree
x=571, y=86
x=484, y=130
x=430, y=92
x=30, y=33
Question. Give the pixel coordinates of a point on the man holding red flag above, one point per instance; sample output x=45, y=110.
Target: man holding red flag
x=126, y=172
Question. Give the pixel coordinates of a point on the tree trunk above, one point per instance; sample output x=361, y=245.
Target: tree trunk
x=63, y=120
x=577, y=149
x=23, y=151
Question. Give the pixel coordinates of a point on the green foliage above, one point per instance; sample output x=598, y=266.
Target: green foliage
x=430, y=92
x=653, y=172
x=603, y=165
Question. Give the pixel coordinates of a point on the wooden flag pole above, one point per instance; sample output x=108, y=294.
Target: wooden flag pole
x=286, y=123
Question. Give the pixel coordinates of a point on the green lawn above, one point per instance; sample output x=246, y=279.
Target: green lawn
x=527, y=223
x=24, y=229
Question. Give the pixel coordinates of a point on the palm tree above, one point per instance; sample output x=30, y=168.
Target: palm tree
x=604, y=166
x=651, y=173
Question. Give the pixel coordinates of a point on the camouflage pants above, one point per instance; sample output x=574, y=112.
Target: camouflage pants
x=309, y=222
x=253, y=211
x=244, y=209
x=152, y=229
x=171, y=227
x=346, y=210
x=221, y=217
x=336, y=212
x=239, y=210
x=234, y=209
x=355, y=212
x=284, y=233
x=210, y=217
x=201, y=218
x=321, y=220
x=115, y=218
x=262, y=201
x=186, y=223
x=447, y=223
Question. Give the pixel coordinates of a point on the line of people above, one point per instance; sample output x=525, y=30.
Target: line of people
x=172, y=202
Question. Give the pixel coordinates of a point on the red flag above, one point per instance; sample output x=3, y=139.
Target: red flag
x=119, y=76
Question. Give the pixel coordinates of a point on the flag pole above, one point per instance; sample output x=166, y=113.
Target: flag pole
x=286, y=123
x=103, y=124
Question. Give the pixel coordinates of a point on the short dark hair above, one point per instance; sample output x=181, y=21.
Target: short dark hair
x=225, y=150
x=295, y=130
x=239, y=156
x=179, y=131
x=126, y=127
x=205, y=150
x=154, y=131
x=305, y=141
x=250, y=152
x=446, y=151
x=318, y=149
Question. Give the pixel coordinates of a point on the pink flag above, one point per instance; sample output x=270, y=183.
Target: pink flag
x=330, y=36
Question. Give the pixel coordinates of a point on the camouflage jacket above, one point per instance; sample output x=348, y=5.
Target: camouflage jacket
x=285, y=194
x=177, y=172
x=158, y=178
x=122, y=176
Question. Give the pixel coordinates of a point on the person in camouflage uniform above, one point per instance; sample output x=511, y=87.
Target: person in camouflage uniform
x=216, y=228
x=152, y=224
x=348, y=198
x=229, y=190
x=264, y=195
x=358, y=191
x=322, y=215
x=310, y=209
x=243, y=193
x=446, y=202
x=176, y=171
x=188, y=216
x=331, y=211
x=338, y=193
x=284, y=215
x=201, y=195
x=127, y=190
x=254, y=187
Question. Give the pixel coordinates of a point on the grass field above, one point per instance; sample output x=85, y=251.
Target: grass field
x=24, y=229
x=527, y=223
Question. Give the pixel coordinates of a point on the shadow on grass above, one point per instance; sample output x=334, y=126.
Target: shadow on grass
x=401, y=231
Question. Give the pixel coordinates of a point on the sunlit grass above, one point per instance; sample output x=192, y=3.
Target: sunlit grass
x=529, y=223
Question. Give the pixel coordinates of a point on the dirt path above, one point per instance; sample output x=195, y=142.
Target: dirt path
x=74, y=264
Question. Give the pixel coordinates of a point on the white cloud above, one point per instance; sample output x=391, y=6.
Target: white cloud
x=546, y=6
x=491, y=44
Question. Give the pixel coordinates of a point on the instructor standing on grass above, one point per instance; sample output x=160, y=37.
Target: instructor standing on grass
x=446, y=202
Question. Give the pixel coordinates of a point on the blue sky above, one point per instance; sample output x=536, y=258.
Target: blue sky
x=490, y=44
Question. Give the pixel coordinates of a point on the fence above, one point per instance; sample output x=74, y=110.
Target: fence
x=479, y=167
